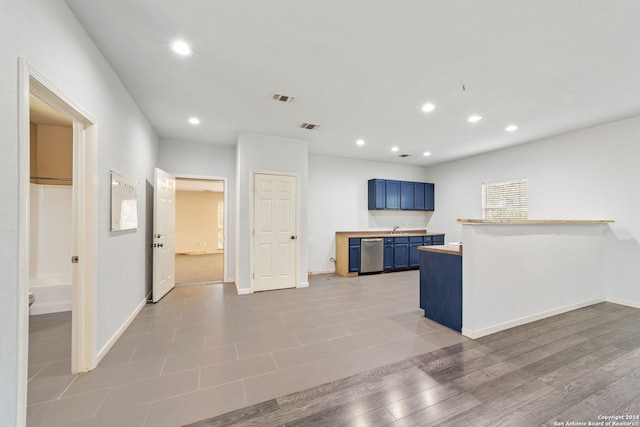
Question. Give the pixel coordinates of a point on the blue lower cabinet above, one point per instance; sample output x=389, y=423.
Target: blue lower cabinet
x=388, y=253
x=414, y=254
x=354, y=255
x=441, y=288
x=401, y=253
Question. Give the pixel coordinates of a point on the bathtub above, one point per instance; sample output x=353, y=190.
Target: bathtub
x=50, y=248
x=53, y=294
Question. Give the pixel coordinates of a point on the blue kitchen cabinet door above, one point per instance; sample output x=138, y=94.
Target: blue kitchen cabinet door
x=392, y=194
x=376, y=194
x=354, y=255
x=388, y=254
x=406, y=195
x=401, y=253
x=418, y=196
x=438, y=239
x=414, y=253
x=429, y=197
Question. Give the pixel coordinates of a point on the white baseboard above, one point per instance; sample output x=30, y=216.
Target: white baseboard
x=478, y=333
x=303, y=285
x=105, y=349
x=243, y=291
x=635, y=304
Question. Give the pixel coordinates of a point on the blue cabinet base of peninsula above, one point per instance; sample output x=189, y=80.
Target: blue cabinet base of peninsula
x=441, y=288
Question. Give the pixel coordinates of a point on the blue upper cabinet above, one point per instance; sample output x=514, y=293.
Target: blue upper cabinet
x=392, y=196
x=377, y=194
x=429, y=197
x=400, y=195
x=406, y=195
x=418, y=196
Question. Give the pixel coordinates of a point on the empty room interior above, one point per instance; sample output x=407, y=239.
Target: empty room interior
x=320, y=214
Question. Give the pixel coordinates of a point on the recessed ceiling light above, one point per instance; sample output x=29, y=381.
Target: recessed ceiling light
x=429, y=107
x=181, y=48
x=474, y=119
x=426, y=154
x=511, y=128
x=194, y=121
x=394, y=149
x=360, y=142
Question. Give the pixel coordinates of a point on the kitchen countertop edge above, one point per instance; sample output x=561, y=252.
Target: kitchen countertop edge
x=408, y=233
x=446, y=249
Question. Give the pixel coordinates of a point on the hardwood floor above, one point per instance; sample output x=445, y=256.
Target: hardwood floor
x=574, y=367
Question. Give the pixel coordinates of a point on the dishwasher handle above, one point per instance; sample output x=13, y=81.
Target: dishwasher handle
x=372, y=240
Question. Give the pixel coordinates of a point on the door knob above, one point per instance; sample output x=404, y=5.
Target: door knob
x=293, y=237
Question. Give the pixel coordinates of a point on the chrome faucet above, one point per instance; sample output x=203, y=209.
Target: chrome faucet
x=395, y=228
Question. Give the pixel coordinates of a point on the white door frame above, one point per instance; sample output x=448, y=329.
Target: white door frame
x=83, y=337
x=251, y=223
x=225, y=256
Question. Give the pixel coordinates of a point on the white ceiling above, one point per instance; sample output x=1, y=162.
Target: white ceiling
x=364, y=68
x=41, y=113
x=187, y=184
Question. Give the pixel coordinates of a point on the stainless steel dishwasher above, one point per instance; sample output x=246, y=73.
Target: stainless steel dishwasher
x=371, y=255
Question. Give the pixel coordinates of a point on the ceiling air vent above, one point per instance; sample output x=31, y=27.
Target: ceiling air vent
x=284, y=98
x=310, y=126
x=404, y=155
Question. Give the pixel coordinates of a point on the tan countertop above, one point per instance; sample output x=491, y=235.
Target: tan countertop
x=382, y=233
x=450, y=249
x=534, y=221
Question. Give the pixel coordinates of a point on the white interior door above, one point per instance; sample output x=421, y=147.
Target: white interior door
x=164, y=218
x=275, y=227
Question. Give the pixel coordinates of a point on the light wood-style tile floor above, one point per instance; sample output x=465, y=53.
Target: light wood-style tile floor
x=204, y=351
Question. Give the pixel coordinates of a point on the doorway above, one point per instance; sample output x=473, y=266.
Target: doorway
x=33, y=89
x=200, y=231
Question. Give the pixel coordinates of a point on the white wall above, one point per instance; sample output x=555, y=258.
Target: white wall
x=338, y=202
x=48, y=36
x=260, y=153
x=587, y=174
x=518, y=273
x=189, y=158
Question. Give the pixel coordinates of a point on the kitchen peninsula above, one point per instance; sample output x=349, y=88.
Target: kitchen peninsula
x=441, y=284
x=400, y=249
x=518, y=271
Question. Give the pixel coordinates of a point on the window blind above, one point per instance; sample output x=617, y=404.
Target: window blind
x=505, y=199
